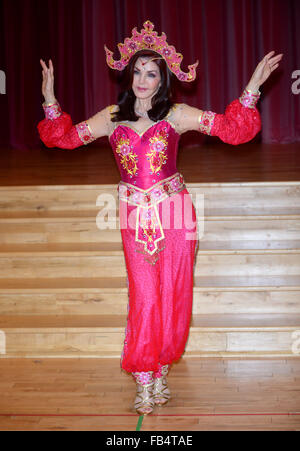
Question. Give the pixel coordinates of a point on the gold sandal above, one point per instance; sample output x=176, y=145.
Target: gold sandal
x=161, y=391
x=144, y=401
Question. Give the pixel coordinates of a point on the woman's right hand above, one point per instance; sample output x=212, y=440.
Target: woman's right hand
x=48, y=82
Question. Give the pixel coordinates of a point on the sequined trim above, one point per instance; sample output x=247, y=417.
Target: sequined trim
x=249, y=99
x=153, y=195
x=84, y=132
x=52, y=111
x=149, y=231
x=206, y=120
x=141, y=133
x=162, y=371
x=143, y=377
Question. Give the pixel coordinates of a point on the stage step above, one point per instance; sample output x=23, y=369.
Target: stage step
x=224, y=199
x=223, y=295
x=227, y=233
x=63, y=286
x=212, y=295
x=102, y=336
x=101, y=262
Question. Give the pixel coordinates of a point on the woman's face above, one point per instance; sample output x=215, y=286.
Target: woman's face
x=146, y=78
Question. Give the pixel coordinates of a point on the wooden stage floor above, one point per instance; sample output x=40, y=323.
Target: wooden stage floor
x=94, y=394
x=203, y=163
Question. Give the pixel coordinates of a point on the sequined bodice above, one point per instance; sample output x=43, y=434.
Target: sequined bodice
x=145, y=158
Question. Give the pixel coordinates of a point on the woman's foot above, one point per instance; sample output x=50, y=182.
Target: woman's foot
x=161, y=390
x=144, y=401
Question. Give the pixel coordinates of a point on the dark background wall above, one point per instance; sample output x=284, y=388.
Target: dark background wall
x=228, y=37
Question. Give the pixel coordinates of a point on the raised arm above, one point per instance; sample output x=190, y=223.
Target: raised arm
x=57, y=129
x=241, y=120
x=239, y=124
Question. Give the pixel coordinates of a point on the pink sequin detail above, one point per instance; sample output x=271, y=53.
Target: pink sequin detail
x=84, y=132
x=52, y=111
x=206, y=121
x=162, y=371
x=249, y=99
x=143, y=377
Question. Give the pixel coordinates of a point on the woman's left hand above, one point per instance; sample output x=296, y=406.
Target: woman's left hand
x=263, y=70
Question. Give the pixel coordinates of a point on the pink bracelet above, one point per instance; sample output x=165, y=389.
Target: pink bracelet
x=84, y=132
x=249, y=99
x=205, y=121
x=52, y=111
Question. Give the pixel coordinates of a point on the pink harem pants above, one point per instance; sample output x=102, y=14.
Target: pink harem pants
x=160, y=294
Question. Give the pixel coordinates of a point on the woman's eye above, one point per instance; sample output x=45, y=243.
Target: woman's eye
x=136, y=72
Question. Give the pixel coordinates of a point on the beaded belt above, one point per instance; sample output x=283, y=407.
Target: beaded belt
x=149, y=229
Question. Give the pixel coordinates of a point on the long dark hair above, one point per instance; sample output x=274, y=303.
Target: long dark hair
x=161, y=102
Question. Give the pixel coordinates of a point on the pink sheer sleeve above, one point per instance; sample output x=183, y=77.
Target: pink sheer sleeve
x=57, y=130
x=239, y=124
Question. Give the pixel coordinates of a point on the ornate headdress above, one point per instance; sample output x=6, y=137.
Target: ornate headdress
x=148, y=39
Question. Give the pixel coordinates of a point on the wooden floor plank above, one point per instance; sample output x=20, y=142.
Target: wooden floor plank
x=89, y=394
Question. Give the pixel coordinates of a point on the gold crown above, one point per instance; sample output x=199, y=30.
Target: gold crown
x=149, y=39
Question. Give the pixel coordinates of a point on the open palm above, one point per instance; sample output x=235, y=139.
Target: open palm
x=265, y=67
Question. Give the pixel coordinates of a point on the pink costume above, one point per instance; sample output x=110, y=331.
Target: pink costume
x=159, y=254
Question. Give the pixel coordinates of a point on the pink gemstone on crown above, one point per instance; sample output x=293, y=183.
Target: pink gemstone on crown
x=132, y=46
x=148, y=39
x=119, y=65
x=167, y=51
x=182, y=77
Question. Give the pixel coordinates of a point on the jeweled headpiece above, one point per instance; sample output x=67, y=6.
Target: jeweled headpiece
x=148, y=39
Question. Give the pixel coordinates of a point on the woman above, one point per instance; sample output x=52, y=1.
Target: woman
x=144, y=130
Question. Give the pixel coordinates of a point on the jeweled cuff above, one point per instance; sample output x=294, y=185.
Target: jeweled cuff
x=84, y=132
x=249, y=99
x=52, y=111
x=206, y=120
